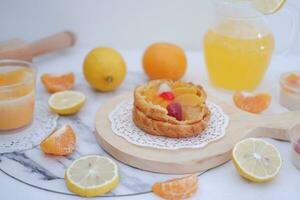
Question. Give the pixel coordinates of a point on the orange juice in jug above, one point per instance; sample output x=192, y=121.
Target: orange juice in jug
x=237, y=54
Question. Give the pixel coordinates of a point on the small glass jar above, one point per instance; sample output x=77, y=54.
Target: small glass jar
x=294, y=134
x=290, y=93
x=17, y=91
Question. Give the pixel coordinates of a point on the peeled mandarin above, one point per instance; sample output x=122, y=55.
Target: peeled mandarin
x=60, y=143
x=179, y=188
x=58, y=82
x=252, y=103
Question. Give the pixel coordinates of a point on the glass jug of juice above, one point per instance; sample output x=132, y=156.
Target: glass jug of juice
x=238, y=47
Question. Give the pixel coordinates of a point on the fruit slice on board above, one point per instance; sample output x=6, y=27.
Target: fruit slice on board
x=66, y=102
x=61, y=142
x=179, y=188
x=252, y=103
x=268, y=6
x=92, y=175
x=256, y=159
x=58, y=82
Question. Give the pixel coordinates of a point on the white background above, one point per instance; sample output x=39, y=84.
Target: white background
x=124, y=24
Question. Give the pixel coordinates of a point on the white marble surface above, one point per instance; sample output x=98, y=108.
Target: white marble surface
x=222, y=182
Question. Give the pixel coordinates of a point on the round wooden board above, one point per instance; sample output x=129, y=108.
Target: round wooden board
x=241, y=125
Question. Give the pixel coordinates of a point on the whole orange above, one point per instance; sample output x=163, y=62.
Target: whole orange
x=164, y=61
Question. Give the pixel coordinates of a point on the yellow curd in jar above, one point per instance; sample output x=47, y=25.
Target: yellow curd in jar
x=17, y=85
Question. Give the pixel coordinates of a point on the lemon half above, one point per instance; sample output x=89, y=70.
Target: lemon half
x=66, y=102
x=268, y=6
x=256, y=159
x=92, y=175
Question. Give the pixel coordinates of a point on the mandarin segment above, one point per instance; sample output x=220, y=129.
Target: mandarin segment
x=60, y=143
x=252, y=103
x=58, y=82
x=179, y=188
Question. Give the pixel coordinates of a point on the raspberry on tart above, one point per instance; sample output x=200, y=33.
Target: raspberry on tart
x=170, y=109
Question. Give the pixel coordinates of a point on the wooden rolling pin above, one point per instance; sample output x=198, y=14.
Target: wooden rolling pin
x=18, y=49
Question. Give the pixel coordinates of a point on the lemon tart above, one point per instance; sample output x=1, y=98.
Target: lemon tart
x=170, y=109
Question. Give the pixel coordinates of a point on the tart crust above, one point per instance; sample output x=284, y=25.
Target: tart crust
x=154, y=119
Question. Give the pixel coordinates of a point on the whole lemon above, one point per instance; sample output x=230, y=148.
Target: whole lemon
x=104, y=68
x=164, y=61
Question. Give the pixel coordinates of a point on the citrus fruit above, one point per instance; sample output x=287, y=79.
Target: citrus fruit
x=179, y=188
x=92, y=175
x=268, y=6
x=58, y=82
x=66, y=102
x=252, y=103
x=104, y=69
x=164, y=61
x=256, y=159
x=61, y=142
x=189, y=100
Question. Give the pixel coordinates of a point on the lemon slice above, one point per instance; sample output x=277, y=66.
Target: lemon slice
x=66, y=102
x=92, y=175
x=256, y=159
x=268, y=6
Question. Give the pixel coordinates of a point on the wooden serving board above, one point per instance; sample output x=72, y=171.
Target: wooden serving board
x=241, y=125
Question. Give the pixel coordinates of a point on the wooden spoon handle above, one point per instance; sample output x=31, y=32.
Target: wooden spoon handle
x=52, y=43
x=275, y=125
x=283, y=121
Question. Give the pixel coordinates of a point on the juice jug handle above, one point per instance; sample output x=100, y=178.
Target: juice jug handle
x=293, y=13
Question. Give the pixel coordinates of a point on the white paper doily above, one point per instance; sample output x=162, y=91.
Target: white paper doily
x=122, y=125
x=44, y=122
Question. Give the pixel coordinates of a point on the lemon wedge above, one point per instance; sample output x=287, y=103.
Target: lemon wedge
x=66, y=102
x=92, y=175
x=268, y=6
x=256, y=159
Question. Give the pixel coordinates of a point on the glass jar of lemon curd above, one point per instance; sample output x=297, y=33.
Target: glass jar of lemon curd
x=238, y=46
x=17, y=89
